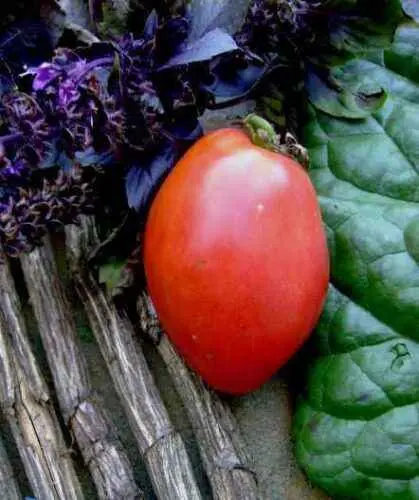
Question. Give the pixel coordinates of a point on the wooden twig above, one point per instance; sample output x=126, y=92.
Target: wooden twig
x=27, y=406
x=95, y=435
x=160, y=444
x=8, y=485
x=222, y=450
x=82, y=34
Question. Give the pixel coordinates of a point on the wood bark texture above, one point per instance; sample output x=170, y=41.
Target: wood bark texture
x=27, y=407
x=161, y=445
x=8, y=485
x=30, y=414
x=221, y=446
x=93, y=431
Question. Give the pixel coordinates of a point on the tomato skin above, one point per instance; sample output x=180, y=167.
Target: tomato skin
x=236, y=260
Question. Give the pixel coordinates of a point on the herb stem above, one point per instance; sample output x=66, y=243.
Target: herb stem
x=10, y=137
x=103, y=61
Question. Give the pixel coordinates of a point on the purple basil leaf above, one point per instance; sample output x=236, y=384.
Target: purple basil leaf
x=90, y=157
x=143, y=180
x=64, y=162
x=212, y=44
x=186, y=130
x=6, y=83
x=151, y=24
x=171, y=39
x=208, y=15
x=231, y=83
x=13, y=173
x=51, y=155
x=44, y=75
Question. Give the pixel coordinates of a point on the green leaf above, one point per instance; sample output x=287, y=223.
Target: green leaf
x=357, y=30
x=356, y=27
x=357, y=428
x=110, y=274
x=411, y=7
x=342, y=95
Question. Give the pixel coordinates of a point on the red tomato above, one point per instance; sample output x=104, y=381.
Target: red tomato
x=236, y=260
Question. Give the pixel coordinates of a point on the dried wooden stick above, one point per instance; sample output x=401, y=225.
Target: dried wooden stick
x=103, y=454
x=160, y=444
x=82, y=34
x=8, y=485
x=27, y=406
x=222, y=450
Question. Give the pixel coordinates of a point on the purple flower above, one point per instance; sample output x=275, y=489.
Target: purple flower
x=9, y=172
x=106, y=105
x=68, y=93
x=28, y=214
x=45, y=74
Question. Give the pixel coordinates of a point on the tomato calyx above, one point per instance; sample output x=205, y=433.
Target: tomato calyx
x=263, y=134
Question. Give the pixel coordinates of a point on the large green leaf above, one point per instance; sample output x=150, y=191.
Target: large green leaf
x=357, y=429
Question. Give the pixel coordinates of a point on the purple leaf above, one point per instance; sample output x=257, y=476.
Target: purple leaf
x=186, y=130
x=231, y=82
x=208, y=15
x=151, y=24
x=68, y=93
x=212, y=44
x=142, y=180
x=44, y=75
x=90, y=157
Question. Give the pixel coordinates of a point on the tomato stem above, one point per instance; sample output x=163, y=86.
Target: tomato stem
x=263, y=134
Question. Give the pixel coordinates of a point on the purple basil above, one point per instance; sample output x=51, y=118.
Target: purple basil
x=106, y=111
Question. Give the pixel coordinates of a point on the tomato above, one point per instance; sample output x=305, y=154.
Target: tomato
x=236, y=260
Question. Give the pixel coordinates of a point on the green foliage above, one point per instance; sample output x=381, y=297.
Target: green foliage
x=113, y=24
x=357, y=430
x=110, y=274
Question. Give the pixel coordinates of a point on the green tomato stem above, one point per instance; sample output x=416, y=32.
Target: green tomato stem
x=261, y=132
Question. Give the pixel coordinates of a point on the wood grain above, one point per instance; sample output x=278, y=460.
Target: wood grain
x=8, y=485
x=161, y=445
x=26, y=404
x=223, y=451
x=93, y=431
